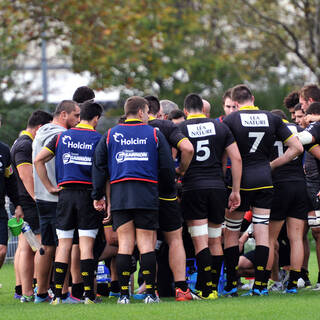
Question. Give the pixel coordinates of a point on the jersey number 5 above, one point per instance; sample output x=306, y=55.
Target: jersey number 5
x=258, y=137
x=202, y=146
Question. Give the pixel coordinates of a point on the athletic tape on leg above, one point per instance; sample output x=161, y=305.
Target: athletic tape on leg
x=233, y=225
x=196, y=231
x=214, y=232
x=91, y=233
x=260, y=219
x=313, y=222
x=64, y=234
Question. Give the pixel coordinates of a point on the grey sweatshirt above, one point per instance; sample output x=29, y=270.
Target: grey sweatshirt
x=42, y=138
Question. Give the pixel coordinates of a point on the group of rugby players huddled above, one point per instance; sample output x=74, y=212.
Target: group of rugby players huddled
x=90, y=197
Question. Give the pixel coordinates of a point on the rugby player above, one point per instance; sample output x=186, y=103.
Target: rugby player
x=133, y=157
x=255, y=132
x=73, y=150
x=204, y=195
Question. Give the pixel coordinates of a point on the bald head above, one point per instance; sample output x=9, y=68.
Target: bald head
x=206, y=108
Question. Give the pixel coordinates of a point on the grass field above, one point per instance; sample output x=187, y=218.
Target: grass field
x=305, y=305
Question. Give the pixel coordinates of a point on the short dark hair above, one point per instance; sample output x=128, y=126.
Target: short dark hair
x=279, y=113
x=176, y=114
x=65, y=105
x=314, y=108
x=134, y=104
x=39, y=117
x=298, y=107
x=122, y=119
x=226, y=95
x=241, y=93
x=153, y=103
x=310, y=91
x=291, y=99
x=193, y=102
x=89, y=110
x=83, y=94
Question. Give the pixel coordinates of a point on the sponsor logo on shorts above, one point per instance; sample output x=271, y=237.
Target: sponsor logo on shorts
x=201, y=130
x=118, y=137
x=129, y=155
x=69, y=158
x=76, y=145
x=254, y=120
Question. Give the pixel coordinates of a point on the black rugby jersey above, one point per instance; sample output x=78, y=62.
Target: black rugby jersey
x=210, y=139
x=256, y=132
x=293, y=170
x=21, y=154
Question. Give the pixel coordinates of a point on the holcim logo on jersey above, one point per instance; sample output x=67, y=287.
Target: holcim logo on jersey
x=118, y=137
x=76, y=145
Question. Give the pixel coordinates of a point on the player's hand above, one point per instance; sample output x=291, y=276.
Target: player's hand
x=108, y=216
x=54, y=190
x=311, y=118
x=234, y=201
x=18, y=213
x=99, y=205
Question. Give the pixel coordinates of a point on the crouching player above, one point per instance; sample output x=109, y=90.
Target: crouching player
x=74, y=151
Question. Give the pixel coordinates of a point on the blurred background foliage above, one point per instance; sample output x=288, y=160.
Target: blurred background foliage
x=168, y=48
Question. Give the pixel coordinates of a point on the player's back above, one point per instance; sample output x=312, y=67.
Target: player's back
x=209, y=139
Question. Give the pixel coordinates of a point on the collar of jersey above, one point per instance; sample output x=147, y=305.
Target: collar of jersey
x=26, y=133
x=195, y=116
x=285, y=121
x=152, y=118
x=84, y=126
x=130, y=120
x=248, y=108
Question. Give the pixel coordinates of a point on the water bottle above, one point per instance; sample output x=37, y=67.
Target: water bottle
x=103, y=273
x=31, y=238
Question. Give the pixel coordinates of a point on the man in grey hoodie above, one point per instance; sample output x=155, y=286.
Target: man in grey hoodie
x=66, y=116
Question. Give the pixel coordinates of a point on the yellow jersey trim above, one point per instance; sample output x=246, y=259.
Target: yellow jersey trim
x=152, y=118
x=181, y=141
x=24, y=163
x=285, y=121
x=252, y=189
x=313, y=147
x=26, y=133
x=249, y=108
x=48, y=150
x=8, y=171
x=129, y=120
x=84, y=126
x=167, y=199
x=195, y=116
x=288, y=138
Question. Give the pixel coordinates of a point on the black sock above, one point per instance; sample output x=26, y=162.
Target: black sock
x=34, y=283
x=318, y=277
x=18, y=289
x=304, y=274
x=88, y=267
x=181, y=285
x=123, y=268
x=42, y=295
x=261, y=259
x=115, y=287
x=148, y=265
x=204, y=268
x=216, y=270
x=60, y=270
x=103, y=289
x=266, y=278
x=64, y=296
x=294, y=275
x=231, y=258
x=77, y=290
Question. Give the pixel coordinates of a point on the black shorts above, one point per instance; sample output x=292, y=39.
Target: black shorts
x=170, y=217
x=313, y=188
x=290, y=200
x=31, y=215
x=47, y=217
x=204, y=204
x=3, y=227
x=142, y=218
x=261, y=198
x=75, y=210
x=250, y=255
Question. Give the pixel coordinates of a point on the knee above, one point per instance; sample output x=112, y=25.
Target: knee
x=3, y=251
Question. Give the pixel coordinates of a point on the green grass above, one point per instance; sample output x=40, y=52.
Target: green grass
x=305, y=305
